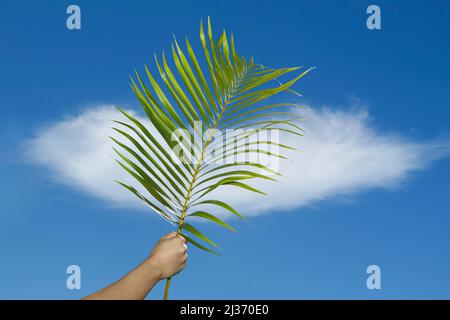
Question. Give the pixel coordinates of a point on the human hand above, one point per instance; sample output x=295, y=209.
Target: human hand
x=169, y=255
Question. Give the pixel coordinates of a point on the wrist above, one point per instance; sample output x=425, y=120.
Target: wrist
x=153, y=266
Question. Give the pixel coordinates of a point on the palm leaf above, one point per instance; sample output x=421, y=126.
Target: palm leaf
x=220, y=90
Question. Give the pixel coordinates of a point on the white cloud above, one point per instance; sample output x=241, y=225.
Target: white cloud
x=342, y=154
x=78, y=153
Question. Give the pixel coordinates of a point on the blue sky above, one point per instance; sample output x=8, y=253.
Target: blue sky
x=399, y=74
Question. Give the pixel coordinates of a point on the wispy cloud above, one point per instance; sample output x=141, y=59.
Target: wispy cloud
x=342, y=154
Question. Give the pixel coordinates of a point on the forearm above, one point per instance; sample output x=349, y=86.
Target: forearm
x=134, y=286
x=168, y=258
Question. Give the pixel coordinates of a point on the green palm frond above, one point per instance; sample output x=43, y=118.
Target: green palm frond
x=221, y=91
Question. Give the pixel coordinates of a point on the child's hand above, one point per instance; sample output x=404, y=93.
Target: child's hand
x=169, y=255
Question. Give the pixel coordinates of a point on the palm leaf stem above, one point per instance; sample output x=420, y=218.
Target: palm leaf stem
x=197, y=170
